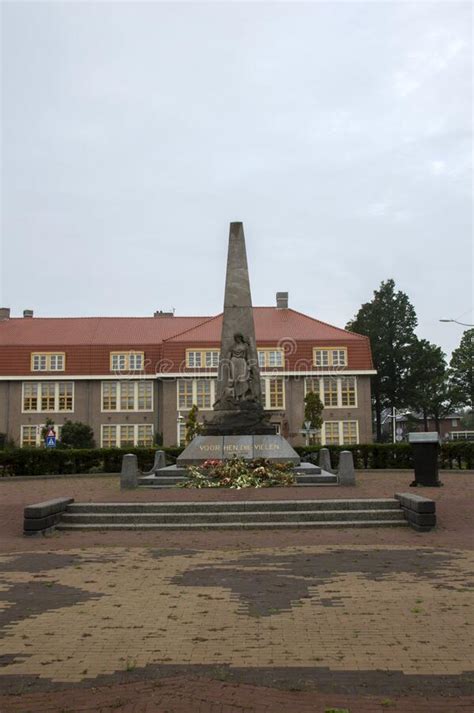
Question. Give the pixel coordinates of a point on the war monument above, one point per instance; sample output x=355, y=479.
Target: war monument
x=238, y=425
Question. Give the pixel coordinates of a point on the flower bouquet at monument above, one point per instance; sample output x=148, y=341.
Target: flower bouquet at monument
x=239, y=473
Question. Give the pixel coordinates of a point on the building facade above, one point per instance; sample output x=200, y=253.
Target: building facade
x=134, y=380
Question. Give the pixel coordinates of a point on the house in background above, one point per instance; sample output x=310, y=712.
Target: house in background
x=135, y=378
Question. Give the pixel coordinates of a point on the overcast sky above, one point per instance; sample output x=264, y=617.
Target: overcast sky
x=339, y=133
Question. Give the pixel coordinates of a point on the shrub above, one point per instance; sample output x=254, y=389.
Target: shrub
x=75, y=434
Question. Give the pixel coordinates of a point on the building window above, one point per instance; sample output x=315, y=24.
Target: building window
x=330, y=392
x=181, y=440
x=48, y=396
x=125, y=435
x=273, y=393
x=202, y=358
x=329, y=356
x=454, y=422
x=127, y=395
x=271, y=358
x=349, y=432
x=335, y=392
x=340, y=433
x=127, y=361
x=348, y=391
x=48, y=361
x=331, y=433
x=31, y=436
x=199, y=392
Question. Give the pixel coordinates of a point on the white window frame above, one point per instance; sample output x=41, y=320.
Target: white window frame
x=265, y=357
x=56, y=408
x=213, y=383
x=119, y=397
x=48, y=357
x=128, y=358
x=204, y=355
x=338, y=380
x=340, y=431
x=331, y=362
x=119, y=426
x=265, y=381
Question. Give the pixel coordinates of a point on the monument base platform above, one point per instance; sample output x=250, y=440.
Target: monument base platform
x=271, y=447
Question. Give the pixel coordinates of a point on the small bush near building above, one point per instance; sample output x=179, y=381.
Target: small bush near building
x=75, y=434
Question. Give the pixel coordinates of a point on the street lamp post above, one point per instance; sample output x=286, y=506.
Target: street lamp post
x=463, y=324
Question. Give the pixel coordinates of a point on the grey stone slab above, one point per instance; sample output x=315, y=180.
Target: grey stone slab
x=200, y=449
x=41, y=523
x=239, y=446
x=129, y=474
x=275, y=448
x=48, y=507
x=426, y=519
x=417, y=503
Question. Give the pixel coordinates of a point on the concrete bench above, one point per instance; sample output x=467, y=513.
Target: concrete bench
x=419, y=512
x=44, y=516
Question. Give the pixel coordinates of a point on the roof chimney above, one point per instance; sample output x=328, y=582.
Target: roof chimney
x=282, y=300
x=160, y=313
x=4, y=312
x=27, y=313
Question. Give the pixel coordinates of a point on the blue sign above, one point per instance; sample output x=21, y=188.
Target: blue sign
x=50, y=441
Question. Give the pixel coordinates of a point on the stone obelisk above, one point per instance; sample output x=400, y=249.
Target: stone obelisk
x=238, y=425
x=238, y=408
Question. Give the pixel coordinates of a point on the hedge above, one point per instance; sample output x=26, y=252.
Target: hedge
x=49, y=461
x=459, y=455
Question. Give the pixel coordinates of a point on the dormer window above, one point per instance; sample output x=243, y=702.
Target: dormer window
x=329, y=356
x=271, y=358
x=127, y=361
x=48, y=361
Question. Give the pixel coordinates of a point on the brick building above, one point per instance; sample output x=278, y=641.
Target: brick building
x=131, y=378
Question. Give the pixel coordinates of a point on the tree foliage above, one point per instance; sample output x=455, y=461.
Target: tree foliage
x=193, y=427
x=313, y=409
x=75, y=434
x=389, y=321
x=428, y=391
x=461, y=371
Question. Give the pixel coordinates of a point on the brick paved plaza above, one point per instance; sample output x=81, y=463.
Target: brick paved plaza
x=227, y=622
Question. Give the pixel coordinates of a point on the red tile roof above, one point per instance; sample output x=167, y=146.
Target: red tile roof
x=271, y=325
x=89, y=340
x=52, y=331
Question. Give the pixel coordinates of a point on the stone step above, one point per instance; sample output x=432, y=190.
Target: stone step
x=237, y=506
x=161, y=481
x=234, y=525
x=315, y=479
x=222, y=517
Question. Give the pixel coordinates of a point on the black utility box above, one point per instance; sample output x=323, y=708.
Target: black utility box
x=425, y=457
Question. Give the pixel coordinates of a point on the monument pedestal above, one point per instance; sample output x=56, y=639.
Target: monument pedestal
x=271, y=447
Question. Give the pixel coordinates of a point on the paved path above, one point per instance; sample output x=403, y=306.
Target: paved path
x=232, y=622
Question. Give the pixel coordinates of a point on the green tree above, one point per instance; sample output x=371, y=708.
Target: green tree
x=428, y=382
x=461, y=371
x=389, y=321
x=313, y=409
x=193, y=427
x=75, y=434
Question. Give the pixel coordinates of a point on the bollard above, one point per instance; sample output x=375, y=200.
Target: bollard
x=160, y=460
x=129, y=473
x=325, y=460
x=346, y=472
